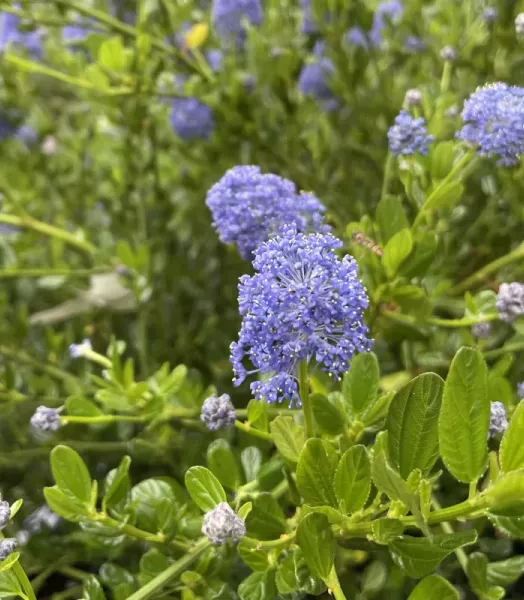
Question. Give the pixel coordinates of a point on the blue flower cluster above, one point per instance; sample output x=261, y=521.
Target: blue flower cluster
x=356, y=37
x=9, y=33
x=510, y=301
x=192, y=119
x=314, y=78
x=408, y=135
x=308, y=23
x=494, y=121
x=302, y=304
x=391, y=10
x=228, y=18
x=249, y=206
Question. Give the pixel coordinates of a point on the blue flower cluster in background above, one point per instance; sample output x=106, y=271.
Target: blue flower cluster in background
x=229, y=16
x=10, y=33
x=192, y=119
x=409, y=135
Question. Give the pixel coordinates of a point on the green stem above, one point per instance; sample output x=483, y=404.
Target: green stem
x=14, y=273
x=483, y=273
x=472, y=490
x=246, y=427
x=517, y=347
x=446, y=77
x=303, y=384
x=465, y=322
x=461, y=163
x=102, y=419
x=447, y=528
x=131, y=530
x=172, y=571
x=73, y=573
x=272, y=412
x=49, y=230
x=388, y=175
x=97, y=358
x=334, y=585
x=75, y=591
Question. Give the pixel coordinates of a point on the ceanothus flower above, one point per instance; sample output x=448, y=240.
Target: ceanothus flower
x=448, y=53
x=218, y=412
x=356, y=37
x=192, y=119
x=314, y=78
x=413, y=97
x=510, y=301
x=79, y=350
x=308, y=24
x=46, y=419
x=214, y=59
x=408, y=135
x=490, y=14
x=498, y=420
x=414, y=44
x=7, y=547
x=5, y=513
x=249, y=206
x=222, y=524
x=390, y=10
x=481, y=330
x=519, y=23
x=494, y=122
x=228, y=18
x=9, y=33
x=520, y=390
x=302, y=304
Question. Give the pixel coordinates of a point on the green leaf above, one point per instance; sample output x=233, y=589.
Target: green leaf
x=360, y=385
x=221, y=461
x=512, y=527
x=315, y=538
x=286, y=579
x=506, y=495
x=477, y=571
x=441, y=160
x=204, y=488
x=444, y=196
x=353, y=479
x=258, y=586
x=396, y=251
x=420, y=556
x=257, y=415
x=316, y=471
x=111, y=54
x=309, y=583
x=266, y=521
x=434, y=587
x=289, y=438
x=511, y=447
x=505, y=572
x=93, y=590
x=412, y=425
x=385, y=530
x=70, y=473
x=7, y=563
x=329, y=418
x=244, y=510
x=334, y=516
x=117, y=484
x=464, y=417
x=82, y=407
x=148, y=496
x=15, y=507
x=391, y=217
x=422, y=255
x=253, y=557
x=152, y=563
x=251, y=459
x=64, y=505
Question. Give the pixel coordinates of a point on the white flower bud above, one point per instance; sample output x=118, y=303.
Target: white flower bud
x=222, y=523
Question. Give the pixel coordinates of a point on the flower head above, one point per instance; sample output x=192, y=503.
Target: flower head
x=314, y=78
x=413, y=97
x=5, y=513
x=481, y=330
x=390, y=10
x=519, y=23
x=78, y=31
x=490, y=14
x=248, y=207
x=408, y=135
x=42, y=516
x=494, y=121
x=7, y=547
x=214, y=59
x=222, y=524
x=78, y=350
x=308, y=23
x=510, y=301
x=9, y=33
x=414, y=44
x=356, y=37
x=46, y=419
x=498, y=420
x=218, y=412
x=520, y=390
x=229, y=17
x=302, y=304
x=448, y=53
x=192, y=119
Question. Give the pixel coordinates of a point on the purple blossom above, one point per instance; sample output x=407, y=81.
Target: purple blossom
x=498, y=422
x=490, y=14
x=414, y=44
x=249, y=206
x=408, y=135
x=510, y=301
x=192, y=119
x=7, y=127
x=9, y=33
x=302, y=304
x=356, y=37
x=71, y=33
x=214, y=59
x=494, y=122
x=229, y=17
x=309, y=24
x=314, y=78
x=391, y=11
x=520, y=390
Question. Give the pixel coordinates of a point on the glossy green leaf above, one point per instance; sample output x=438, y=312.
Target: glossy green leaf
x=385, y=529
x=257, y=415
x=512, y=527
x=93, y=590
x=464, y=417
x=477, y=572
x=258, y=586
x=353, y=479
x=434, y=587
x=441, y=159
x=82, y=407
x=505, y=572
x=117, y=486
x=334, y=516
x=289, y=438
x=266, y=521
x=316, y=471
x=391, y=217
x=222, y=463
x=147, y=499
x=506, y=495
x=329, y=418
x=152, y=563
x=420, y=556
x=251, y=459
x=317, y=541
x=286, y=578
x=244, y=510
x=8, y=562
x=444, y=196
x=256, y=559
x=396, y=251
x=70, y=473
x=412, y=425
x=424, y=251
x=204, y=488
x=511, y=452
x=309, y=583
x=360, y=384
